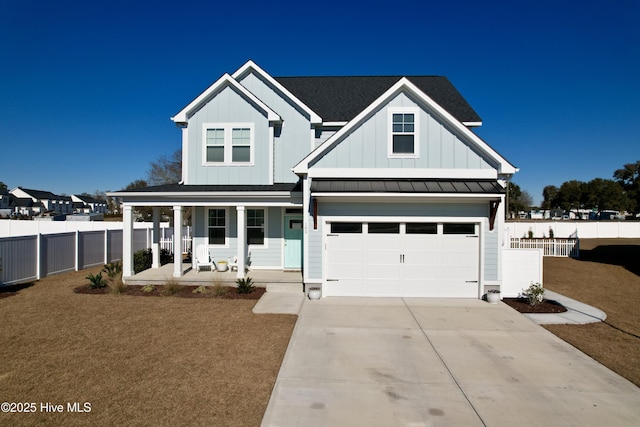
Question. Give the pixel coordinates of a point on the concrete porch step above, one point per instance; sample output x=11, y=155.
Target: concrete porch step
x=284, y=288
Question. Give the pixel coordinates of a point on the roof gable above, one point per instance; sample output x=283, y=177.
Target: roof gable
x=225, y=81
x=252, y=67
x=406, y=86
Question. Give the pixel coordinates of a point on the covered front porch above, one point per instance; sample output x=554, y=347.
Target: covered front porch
x=261, y=278
x=244, y=223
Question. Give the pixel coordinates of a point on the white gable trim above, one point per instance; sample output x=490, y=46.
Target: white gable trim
x=211, y=91
x=250, y=65
x=404, y=85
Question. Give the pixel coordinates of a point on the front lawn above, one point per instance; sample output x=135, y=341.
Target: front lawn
x=161, y=361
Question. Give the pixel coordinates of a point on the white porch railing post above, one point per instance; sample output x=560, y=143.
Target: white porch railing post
x=242, y=241
x=177, y=237
x=155, y=248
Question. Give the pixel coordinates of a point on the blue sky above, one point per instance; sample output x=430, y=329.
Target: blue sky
x=87, y=88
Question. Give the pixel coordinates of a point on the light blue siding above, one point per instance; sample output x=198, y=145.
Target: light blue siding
x=293, y=140
x=315, y=251
x=228, y=107
x=367, y=145
x=268, y=256
x=491, y=248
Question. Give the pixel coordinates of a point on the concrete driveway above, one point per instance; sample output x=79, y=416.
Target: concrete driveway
x=431, y=362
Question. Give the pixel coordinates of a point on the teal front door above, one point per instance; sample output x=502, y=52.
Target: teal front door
x=292, y=241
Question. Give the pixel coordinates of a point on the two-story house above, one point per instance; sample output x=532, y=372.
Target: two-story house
x=370, y=186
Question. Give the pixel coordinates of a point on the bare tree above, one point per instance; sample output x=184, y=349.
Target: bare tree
x=166, y=170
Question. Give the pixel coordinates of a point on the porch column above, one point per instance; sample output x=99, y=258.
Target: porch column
x=127, y=241
x=155, y=238
x=177, y=241
x=242, y=241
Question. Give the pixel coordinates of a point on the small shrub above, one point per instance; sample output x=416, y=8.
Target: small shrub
x=96, y=281
x=166, y=257
x=142, y=260
x=117, y=286
x=171, y=287
x=245, y=286
x=113, y=269
x=202, y=289
x=219, y=290
x=148, y=288
x=534, y=293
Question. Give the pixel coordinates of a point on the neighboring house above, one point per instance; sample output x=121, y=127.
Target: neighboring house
x=88, y=204
x=43, y=201
x=373, y=186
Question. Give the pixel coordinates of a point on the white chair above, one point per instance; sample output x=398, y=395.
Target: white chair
x=202, y=258
x=233, y=265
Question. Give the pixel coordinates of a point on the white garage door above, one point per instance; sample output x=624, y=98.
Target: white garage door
x=419, y=259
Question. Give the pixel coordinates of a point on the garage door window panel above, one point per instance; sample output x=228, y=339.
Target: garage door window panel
x=346, y=227
x=384, y=228
x=459, y=228
x=422, y=228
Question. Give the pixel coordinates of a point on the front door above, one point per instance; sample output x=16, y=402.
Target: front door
x=292, y=242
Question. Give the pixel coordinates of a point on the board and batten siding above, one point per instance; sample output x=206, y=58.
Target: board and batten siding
x=228, y=107
x=268, y=256
x=389, y=212
x=368, y=145
x=293, y=139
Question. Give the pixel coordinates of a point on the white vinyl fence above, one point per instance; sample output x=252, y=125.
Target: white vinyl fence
x=550, y=247
x=25, y=257
x=521, y=269
x=581, y=229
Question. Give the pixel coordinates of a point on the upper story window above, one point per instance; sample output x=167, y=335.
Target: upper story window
x=403, y=135
x=228, y=143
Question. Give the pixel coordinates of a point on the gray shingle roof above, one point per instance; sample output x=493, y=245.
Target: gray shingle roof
x=338, y=99
x=406, y=186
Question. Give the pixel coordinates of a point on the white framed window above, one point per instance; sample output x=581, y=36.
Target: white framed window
x=227, y=143
x=256, y=225
x=216, y=226
x=404, y=132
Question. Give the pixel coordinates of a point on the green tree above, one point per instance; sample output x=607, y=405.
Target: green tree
x=629, y=178
x=518, y=199
x=606, y=194
x=572, y=195
x=3, y=187
x=550, y=197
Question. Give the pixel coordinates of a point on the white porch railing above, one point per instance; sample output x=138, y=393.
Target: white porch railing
x=551, y=247
x=167, y=243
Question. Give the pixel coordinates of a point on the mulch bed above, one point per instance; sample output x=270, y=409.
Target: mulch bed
x=184, y=291
x=546, y=306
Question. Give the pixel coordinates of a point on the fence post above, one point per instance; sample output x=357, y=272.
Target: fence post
x=38, y=255
x=77, y=249
x=106, y=246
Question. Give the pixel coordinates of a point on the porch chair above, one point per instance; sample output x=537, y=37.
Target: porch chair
x=233, y=265
x=202, y=258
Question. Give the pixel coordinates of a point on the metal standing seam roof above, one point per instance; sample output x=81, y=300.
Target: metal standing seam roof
x=406, y=186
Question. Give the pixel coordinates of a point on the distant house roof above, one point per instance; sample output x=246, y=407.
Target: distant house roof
x=39, y=194
x=340, y=99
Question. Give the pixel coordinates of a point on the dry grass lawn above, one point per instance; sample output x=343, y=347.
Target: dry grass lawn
x=156, y=361
x=606, y=276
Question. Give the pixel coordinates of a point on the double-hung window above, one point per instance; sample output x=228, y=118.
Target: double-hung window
x=217, y=226
x=255, y=226
x=403, y=135
x=228, y=143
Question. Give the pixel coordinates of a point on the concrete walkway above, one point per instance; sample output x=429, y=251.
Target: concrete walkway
x=577, y=313
x=423, y=362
